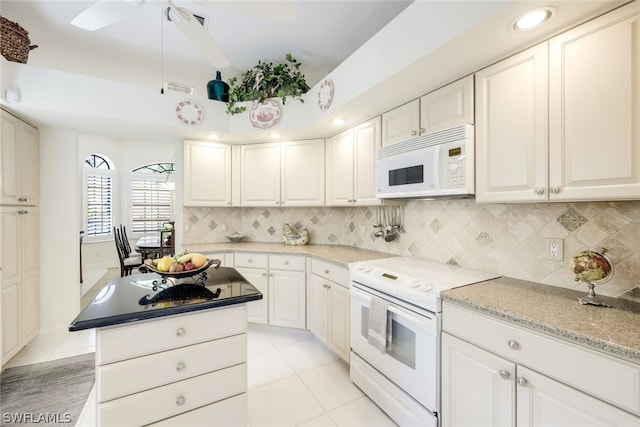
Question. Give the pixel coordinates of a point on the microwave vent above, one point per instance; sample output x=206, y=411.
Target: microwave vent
x=457, y=133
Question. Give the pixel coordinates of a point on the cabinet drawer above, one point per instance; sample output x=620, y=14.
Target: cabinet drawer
x=613, y=380
x=251, y=260
x=143, y=373
x=173, y=399
x=287, y=262
x=116, y=343
x=328, y=270
x=231, y=412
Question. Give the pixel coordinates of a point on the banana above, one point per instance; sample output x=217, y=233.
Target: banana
x=185, y=258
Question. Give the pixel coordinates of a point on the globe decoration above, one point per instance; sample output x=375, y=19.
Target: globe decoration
x=593, y=268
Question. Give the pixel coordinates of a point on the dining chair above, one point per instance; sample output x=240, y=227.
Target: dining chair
x=127, y=263
x=125, y=241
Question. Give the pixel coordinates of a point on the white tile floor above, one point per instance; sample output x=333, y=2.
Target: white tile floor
x=293, y=379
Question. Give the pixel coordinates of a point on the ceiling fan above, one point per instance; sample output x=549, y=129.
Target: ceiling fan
x=107, y=12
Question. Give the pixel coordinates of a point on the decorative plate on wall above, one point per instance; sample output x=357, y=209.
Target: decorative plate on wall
x=266, y=114
x=189, y=112
x=325, y=94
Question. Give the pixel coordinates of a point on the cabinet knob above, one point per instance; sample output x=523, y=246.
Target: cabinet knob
x=180, y=367
x=539, y=191
x=264, y=274
x=513, y=345
x=555, y=189
x=180, y=332
x=250, y=260
x=286, y=263
x=180, y=400
x=504, y=374
x=326, y=271
x=422, y=130
x=414, y=132
x=229, y=203
x=522, y=382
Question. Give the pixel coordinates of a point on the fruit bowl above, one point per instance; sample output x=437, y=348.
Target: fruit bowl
x=146, y=268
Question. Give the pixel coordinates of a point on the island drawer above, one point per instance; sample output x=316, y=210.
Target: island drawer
x=231, y=412
x=287, y=262
x=115, y=379
x=330, y=271
x=173, y=399
x=251, y=260
x=116, y=343
x=608, y=378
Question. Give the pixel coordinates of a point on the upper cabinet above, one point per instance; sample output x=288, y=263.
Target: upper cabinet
x=282, y=174
x=449, y=106
x=350, y=168
x=207, y=174
x=20, y=165
x=559, y=122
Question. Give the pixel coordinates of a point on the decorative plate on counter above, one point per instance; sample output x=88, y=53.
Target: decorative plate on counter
x=325, y=94
x=189, y=112
x=265, y=114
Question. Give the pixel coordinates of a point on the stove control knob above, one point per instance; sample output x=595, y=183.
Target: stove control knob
x=414, y=284
x=360, y=267
x=427, y=287
x=367, y=269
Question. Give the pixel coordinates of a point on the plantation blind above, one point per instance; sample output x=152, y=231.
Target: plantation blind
x=99, y=205
x=151, y=204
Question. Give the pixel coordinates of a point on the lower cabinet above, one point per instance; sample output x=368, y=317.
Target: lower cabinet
x=328, y=316
x=497, y=374
x=162, y=370
x=282, y=281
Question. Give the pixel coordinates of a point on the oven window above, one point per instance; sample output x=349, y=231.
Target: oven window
x=403, y=176
x=403, y=340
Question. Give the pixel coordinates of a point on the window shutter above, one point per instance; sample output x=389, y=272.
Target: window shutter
x=99, y=205
x=151, y=205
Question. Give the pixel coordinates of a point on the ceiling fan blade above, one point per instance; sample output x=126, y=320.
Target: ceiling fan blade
x=198, y=36
x=272, y=10
x=104, y=13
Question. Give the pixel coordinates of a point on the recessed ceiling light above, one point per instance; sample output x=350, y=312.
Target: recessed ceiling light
x=274, y=135
x=338, y=121
x=533, y=18
x=214, y=136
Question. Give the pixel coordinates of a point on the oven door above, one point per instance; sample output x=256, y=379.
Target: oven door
x=411, y=357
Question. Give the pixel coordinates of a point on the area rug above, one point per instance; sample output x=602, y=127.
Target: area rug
x=46, y=394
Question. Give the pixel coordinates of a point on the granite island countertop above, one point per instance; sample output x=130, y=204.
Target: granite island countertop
x=556, y=311
x=335, y=253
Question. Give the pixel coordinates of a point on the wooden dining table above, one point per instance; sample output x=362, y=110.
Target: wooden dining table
x=150, y=247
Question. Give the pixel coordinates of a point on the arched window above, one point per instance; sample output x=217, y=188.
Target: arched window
x=152, y=197
x=98, y=197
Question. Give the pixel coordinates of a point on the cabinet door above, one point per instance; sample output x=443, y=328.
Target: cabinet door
x=511, y=128
x=545, y=402
x=318, y=307
x=257, y=311
x=9, y=158
x=11, y=316
x=207, y=174
x=340, y=169
x=447, y=107
x=366, y=139
x=260, y=175
x=338, y=320
x=29, y=295
x=287, y=298
x=594, y=109
x=478, y=388
x=29, y=164
x=401, y=123
x=302, y=173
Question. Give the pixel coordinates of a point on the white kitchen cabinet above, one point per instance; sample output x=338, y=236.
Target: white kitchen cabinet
x=496, y=373
x=401, y=123
x=350, y=166
x=282, y=281
x=207, y=173
x=329, y=305
x=20, y=294
x=276, y=174
x=594, y=109
x=161, y=370
x=19, y=161
x=511, y=128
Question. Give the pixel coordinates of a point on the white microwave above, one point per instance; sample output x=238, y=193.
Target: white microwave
x=437, y=164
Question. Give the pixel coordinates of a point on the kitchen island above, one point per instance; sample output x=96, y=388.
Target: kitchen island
x=171, y=352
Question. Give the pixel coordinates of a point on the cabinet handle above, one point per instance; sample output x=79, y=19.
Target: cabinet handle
x=250, y=260
x=513, y=345
x=264, y=274
x=180, y=367
x=522, y=382
x=422, y=130
x=180, y=400
x=414, y=133
x=504, y=374
x=555, y=189
x=271, y=274
x=180, y=332
x=228, y=203
x=539, y=191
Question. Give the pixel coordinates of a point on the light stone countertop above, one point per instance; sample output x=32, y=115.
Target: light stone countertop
x=335, y=253
x=556, y=311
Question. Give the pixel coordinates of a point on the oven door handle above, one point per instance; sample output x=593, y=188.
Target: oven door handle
x=423, y=322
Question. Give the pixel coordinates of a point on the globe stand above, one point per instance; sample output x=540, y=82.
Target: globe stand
x=590, y=298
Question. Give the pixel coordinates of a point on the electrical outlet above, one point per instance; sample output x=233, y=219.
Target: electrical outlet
x=223, y=227
x=554, y=249
x=187, y=226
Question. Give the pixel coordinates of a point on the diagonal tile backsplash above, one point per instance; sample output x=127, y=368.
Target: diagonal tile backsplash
x=506, y=239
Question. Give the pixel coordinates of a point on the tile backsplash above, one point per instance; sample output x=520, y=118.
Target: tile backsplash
x=506, y=239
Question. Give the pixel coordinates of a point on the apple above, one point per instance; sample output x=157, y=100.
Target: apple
x=188, y=266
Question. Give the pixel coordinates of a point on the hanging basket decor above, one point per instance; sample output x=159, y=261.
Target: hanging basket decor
x=14, y=43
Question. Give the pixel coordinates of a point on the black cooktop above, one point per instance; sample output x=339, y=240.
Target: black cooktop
x=147, y=296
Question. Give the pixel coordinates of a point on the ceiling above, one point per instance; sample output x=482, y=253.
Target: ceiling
x=144, y=50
